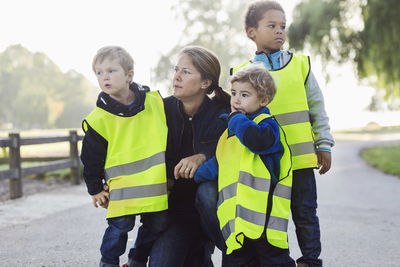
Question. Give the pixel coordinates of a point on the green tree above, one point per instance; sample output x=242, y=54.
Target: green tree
x=365, y=32
x=214, y=24
x=36, y=93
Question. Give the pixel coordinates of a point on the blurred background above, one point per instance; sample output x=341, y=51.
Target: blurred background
x=46, y=50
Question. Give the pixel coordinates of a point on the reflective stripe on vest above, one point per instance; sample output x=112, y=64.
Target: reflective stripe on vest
x=290, y=108
x=243, y=188
x=135, y=161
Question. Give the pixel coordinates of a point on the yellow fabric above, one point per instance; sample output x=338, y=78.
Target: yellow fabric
x=134, y=139
x=234, y=159
x=291, y=97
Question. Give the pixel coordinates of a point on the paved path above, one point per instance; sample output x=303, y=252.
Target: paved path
x=359, y=210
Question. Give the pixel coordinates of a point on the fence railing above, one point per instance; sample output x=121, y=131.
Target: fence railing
x=16, y=172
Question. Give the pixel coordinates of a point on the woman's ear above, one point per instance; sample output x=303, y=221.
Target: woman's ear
x=206, y=83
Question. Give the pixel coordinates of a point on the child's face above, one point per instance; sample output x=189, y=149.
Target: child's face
x=112, y=79
x=245, y=98
x=270, y=34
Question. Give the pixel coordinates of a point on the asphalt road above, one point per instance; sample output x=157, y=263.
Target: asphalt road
x=359, y=211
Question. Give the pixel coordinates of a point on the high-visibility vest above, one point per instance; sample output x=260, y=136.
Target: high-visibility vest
x=135, y=163
x=243, y=192
x=290, y=108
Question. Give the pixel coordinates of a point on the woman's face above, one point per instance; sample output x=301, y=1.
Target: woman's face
x=187, y=83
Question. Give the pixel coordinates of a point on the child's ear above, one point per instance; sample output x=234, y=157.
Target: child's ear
x=130, y=75
x=250, y=32
x=265, y=101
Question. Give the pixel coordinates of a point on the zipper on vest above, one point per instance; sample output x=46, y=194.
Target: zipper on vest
x=269, y=209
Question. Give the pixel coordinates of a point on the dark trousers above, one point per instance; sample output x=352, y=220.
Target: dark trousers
x=257, y=253
x=304, y=214
x=116, y=235
x=183, y=244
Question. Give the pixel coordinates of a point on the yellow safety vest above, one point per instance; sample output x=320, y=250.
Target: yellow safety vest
x=243, y=189
x=290, y=108
x=135, y=163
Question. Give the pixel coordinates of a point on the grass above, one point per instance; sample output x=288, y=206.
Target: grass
x=374, y=129
x=384, y=158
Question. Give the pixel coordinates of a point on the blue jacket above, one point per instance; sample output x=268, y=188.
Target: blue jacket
x=262, y=139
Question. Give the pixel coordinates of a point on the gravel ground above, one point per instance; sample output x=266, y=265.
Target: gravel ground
x=32, y=186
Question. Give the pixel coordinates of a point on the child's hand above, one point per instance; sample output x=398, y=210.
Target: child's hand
x=102, y=199
x=187, y=167
x=324, y=161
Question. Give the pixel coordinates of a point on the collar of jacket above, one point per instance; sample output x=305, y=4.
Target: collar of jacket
x=104, y=101
x=203, y=108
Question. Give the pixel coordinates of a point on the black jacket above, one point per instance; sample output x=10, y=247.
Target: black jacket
x=207, y=127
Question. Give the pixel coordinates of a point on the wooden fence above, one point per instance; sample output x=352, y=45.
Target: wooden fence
x=16, y=172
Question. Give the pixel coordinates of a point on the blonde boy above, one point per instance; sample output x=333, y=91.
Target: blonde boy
x=124, y=146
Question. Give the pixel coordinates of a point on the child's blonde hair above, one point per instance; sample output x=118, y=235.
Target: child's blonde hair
x=114, y=52
x=259, y=78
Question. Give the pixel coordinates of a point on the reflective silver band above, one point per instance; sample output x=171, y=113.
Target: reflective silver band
x=277, y=223
x=135, y=167
x=261, y=184
x=251, y=216
x=226, y=193
x=283, y=191
x=228, y=228
x=302, y=148
x=141, y=191
x=293, y=117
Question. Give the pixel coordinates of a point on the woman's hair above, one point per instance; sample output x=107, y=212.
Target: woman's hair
x=114, y=52
x=208, y=65
x=256, y=10
x=259, y=78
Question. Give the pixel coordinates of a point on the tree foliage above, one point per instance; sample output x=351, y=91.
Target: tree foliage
x=215, y=24
x=365, y=32
x=36, y=94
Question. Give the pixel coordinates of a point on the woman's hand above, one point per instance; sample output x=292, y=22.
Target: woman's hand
x=187, y=167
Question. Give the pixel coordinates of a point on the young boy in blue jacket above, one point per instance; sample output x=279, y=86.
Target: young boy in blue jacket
x=299, y=109
x=255, y=178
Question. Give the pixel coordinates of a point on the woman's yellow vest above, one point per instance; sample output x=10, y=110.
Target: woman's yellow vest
x=243, y=189
x=135, y=163
x=290, y=108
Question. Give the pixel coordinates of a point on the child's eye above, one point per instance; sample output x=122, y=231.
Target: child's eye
x=186, y=72
x=233, y=93
x=245, y=95
x=283, y=27
x=98, y=73
x=271, y=26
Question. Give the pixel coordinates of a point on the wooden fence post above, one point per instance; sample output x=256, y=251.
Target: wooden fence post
x=73, y=152
x=15, y=166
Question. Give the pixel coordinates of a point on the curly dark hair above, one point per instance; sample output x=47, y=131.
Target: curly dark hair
x=256, y=10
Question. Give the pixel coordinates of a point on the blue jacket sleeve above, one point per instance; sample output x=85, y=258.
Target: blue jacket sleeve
x=262, y=138
x=207, y=171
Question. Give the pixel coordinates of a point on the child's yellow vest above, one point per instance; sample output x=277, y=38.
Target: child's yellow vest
x=135, y=162
x=243, y=189
x=290, y=108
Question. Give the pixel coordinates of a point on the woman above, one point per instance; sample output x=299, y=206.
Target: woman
x=194, y=130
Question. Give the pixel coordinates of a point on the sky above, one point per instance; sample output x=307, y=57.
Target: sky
x=71, y=31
